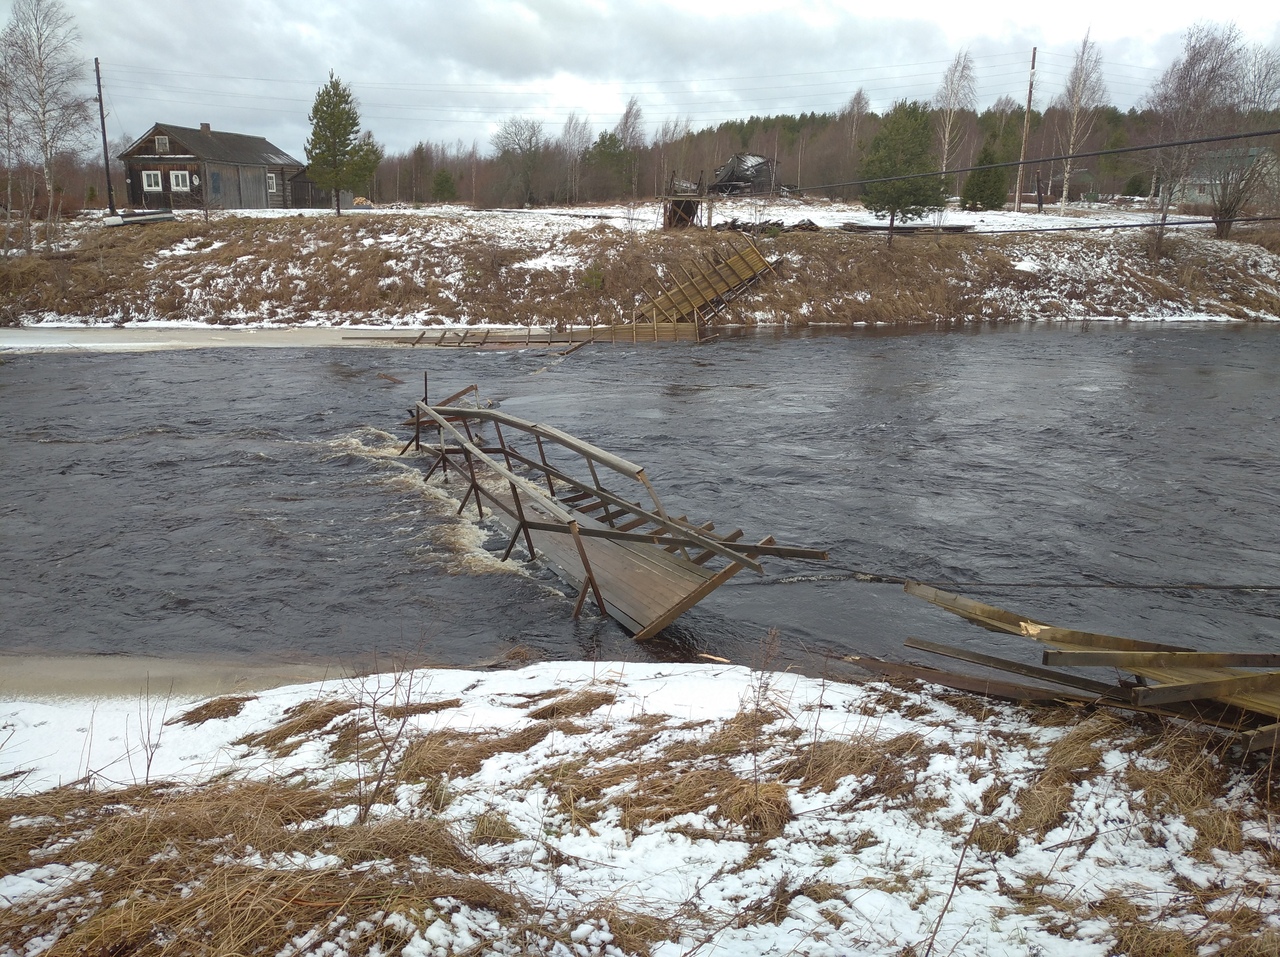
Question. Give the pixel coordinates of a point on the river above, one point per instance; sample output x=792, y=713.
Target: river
x=249, y=505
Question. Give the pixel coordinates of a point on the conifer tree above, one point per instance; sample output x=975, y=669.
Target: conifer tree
x=986, y=188
x=338, y=156
x=902, y=147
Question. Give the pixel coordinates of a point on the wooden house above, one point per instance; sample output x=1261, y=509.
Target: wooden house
x=176, y=167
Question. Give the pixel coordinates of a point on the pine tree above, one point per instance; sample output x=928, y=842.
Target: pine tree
x=443, y=189
x=902, y=147
x=986, y=188
x=338, y=156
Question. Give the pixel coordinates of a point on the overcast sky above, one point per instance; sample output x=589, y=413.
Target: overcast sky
x=445, y=71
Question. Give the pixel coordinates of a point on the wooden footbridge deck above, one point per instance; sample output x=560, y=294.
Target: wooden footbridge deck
x=642, y=566
x=708, y=286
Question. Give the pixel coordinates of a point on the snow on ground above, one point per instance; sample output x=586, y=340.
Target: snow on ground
x=921, y=840
x=647, y=216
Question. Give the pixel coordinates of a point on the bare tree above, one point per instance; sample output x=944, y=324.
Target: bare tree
x=630, y=131
x=957, y=92
x=1086, y=92
x=8, y=141
x=674, y=135
x=854, y=112
x=46, y=73
x=1234, y=175
x=575, y=140
x=1190, y=97
x=1002, y=111
x=520, y=143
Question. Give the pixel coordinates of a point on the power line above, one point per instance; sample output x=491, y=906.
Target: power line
x=1221, y=138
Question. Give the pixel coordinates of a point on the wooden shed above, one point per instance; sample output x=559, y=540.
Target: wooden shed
x=177, y=167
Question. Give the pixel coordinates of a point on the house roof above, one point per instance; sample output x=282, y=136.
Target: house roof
x=216, y=146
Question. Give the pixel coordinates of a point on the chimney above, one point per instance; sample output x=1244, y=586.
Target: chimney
x=204, y=128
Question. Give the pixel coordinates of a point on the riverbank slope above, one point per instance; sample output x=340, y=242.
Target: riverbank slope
x=449, y=265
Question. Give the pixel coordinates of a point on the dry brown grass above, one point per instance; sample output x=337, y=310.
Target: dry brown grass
x=885, y=769
x=398, y=711
x=286, y=269
x=1187, y=776
x=169, y=872
x=461, y=753
x=494, y=827
x=1071, y=759
x=760, y=809
x=216, y=709
x=572, y=706
x=305, y=718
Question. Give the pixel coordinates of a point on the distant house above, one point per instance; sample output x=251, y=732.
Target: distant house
x=177, y=167
x=1218, y=167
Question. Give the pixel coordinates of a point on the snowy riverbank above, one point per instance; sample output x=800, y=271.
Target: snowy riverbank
x=580, y=808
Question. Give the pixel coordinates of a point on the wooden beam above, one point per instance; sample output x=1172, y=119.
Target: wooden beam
x=1264, y=737
x=1088, y=639
x=1008, y=690
x=1018, y=668
x=1161, y=659
x=998, y=619
x=590, y=578
x=1196, y=690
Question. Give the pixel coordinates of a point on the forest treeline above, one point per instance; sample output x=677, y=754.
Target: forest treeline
x=1218, y=86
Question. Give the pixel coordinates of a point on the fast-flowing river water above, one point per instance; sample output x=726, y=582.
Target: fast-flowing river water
x=249, y=503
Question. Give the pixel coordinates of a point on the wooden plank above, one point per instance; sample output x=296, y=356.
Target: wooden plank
x=998, y=619
x=1018, y=668
x=1072, y=639
x=1161, y=659
x=1007, y=690
x=1265, y=737
x=1218, y=688
x=688, y=601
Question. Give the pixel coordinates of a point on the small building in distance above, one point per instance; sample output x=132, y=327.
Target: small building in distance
x=177, y=167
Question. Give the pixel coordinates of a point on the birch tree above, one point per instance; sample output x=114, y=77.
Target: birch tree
x=575, y=140
x=1188, y=97
x=46, y=74
x=958, y=92
x=853, y=114
x=673, y=135
x=1085, y=94
x=8, y=143
x=630, y=132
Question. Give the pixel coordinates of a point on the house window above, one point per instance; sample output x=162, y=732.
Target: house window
x=180, y=180
x=162, y=144
x=271, y=182
x=151, y=181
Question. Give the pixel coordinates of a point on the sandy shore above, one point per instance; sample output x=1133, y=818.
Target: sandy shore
x=27, y=677
x=155, y=338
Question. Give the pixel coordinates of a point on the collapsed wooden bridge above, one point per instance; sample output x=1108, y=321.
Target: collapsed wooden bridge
x=709, y=285
x=1209, y=687
x=643, y=566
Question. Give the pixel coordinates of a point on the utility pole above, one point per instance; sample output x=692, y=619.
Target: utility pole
x=1026, y=134
x=106, y=154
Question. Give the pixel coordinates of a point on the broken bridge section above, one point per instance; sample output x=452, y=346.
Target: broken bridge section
x=701, y=289
x=615, y=540
x=1212, y=688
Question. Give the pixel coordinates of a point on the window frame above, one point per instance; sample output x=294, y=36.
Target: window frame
x=271, y=182
x=162, y=143
x=152, y=181
x=179, y=181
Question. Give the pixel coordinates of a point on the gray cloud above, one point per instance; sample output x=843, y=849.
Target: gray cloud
x=444, y=71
